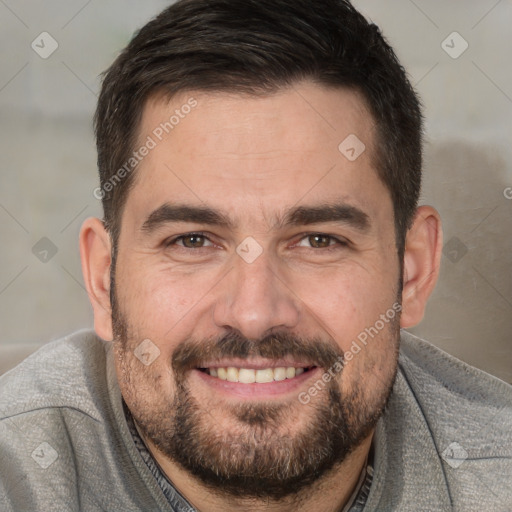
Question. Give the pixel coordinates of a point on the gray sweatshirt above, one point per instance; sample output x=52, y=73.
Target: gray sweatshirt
x=444, y=442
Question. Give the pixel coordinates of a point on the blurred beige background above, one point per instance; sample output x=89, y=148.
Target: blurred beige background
x=48, y=159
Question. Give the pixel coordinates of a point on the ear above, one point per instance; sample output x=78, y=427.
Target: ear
x=422, y=258
x=95, y=252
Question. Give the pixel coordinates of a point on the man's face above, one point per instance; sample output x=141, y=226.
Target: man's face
x=250, y=241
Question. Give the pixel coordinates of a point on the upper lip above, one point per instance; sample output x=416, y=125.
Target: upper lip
x=255, y=363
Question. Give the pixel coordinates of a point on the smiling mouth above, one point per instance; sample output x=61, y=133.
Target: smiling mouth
x=251, y=376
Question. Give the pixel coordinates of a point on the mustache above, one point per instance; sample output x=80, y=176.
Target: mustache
x=191, y=354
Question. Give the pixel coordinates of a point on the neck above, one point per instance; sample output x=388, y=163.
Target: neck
x=329, y=494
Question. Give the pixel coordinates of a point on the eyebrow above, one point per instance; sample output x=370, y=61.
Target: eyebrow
x=298, y=216
x=168, y=213
x=340, y=213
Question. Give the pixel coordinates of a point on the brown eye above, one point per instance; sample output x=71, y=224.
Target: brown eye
x=191, y=241
x=322, y=241
x=319, y=241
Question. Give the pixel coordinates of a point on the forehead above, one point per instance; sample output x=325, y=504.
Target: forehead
x=306, y=117
x=242, y=154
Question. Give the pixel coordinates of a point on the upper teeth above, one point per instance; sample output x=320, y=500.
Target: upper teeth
x=248, y=375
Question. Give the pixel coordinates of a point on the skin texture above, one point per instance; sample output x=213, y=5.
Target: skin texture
x=253, y=159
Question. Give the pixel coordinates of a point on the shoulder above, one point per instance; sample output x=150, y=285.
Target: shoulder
x=438, y=376
x=453, y=393
x=60, y=447
x=61, y=374
x=466, y=413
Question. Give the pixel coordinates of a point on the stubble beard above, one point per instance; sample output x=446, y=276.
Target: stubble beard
x=259, y=457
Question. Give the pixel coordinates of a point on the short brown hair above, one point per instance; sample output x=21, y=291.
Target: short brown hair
x=257, y=47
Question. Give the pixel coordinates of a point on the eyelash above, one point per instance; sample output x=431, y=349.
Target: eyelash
x=339, y=243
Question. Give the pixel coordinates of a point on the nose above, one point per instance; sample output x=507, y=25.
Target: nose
x=255, y=299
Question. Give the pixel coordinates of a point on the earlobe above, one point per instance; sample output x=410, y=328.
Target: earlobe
x=95, y=253
x=422, y=259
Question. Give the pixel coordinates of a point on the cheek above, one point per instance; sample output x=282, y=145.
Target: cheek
x=149, y=389
x=358, y=308
x=142, y=385
x=371, y=352
x=156, y=300
x=347, y=301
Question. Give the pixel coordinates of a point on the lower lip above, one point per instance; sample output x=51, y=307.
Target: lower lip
x=267, y=390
